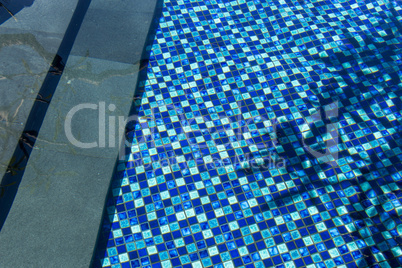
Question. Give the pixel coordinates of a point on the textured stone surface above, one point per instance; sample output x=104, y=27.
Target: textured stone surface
x=28, y=45
x=55, y=217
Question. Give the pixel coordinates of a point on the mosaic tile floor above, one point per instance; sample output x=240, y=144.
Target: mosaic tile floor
x=269, y=136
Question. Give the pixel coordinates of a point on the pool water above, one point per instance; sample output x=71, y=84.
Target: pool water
x=268, y=136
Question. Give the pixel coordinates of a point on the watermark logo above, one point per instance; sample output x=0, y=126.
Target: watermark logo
x=256, y=140
x=106, y=127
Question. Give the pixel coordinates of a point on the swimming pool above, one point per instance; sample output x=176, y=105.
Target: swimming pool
x=268, y=135
x=244, y=133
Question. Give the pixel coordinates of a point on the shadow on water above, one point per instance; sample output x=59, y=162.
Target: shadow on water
x=361, y=195
x=9, y=8
x=369, y=207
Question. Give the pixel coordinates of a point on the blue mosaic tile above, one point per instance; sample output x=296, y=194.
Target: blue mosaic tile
x=268, y=136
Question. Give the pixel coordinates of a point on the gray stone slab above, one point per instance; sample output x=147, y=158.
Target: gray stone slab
x=43, y=16
x=53, y=221
x=28, y=45
x=88, y=81
x=22, y=70
x=116, y=40
x=135, y=6
x=56, y=215
x=9, y=136
x=43, y=43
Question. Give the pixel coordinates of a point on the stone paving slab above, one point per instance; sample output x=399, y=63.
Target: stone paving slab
x=57, y=212
x=28, y=45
